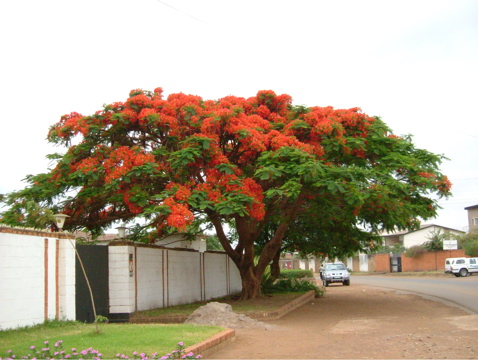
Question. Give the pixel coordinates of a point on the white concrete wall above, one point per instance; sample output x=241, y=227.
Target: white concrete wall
x=216, y=266
x=121, y=284
x=37, y=278
x=166, y=277
x=184, y=277
x=67, y=280
x=235, y=282
x=150, y=273
x=363, y=262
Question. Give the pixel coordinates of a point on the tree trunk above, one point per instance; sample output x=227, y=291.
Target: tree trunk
x=251, y=285
x=275, y=268
x=243, y=254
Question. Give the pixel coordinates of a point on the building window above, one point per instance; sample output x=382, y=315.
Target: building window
x=474, y=221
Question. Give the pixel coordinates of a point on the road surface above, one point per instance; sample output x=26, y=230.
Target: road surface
x=361, y=322
x=462, y=292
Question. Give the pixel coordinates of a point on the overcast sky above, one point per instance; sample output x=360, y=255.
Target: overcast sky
x=413, y=63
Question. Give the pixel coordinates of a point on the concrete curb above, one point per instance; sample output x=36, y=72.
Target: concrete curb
x=285, y=309
x=213, y=344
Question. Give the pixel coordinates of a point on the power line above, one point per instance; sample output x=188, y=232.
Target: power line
x=172, y=7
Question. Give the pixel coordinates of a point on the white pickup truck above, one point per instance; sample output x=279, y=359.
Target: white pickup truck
x=461, y=266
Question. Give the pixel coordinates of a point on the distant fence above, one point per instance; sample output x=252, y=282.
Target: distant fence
x=429, y=261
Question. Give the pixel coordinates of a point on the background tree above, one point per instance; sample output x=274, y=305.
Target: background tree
x=213, y=243
x=435, y=240
x=468, y=242
x=246, y=161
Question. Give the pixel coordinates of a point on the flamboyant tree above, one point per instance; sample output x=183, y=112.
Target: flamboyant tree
x=251, y=162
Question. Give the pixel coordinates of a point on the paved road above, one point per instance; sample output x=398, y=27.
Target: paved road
x=460, y=291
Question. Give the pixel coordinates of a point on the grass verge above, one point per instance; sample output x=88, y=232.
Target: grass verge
x=269, y=302
x=112, y=339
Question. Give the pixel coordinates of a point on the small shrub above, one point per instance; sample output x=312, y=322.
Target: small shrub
x=414, y=251
x=295, y=274
x=296, y=285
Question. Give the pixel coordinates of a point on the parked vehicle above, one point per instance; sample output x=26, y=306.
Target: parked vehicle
x=335, y=272
x=448, y=263
x=461, y=266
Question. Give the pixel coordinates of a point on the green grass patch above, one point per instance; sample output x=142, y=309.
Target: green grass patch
x=112, y=339
x=269, y=302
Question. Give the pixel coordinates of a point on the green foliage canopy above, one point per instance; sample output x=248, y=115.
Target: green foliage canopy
x=322, y=178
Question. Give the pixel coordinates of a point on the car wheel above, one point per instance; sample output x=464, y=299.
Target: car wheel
x=457, y=275
x=326, y=283
x=347, y=282
x=463, y=272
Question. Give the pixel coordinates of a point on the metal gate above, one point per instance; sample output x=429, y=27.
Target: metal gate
x=95, y=261
x=395, y=263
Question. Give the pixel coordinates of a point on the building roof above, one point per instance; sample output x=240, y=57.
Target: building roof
x=471, y=207
x=422, y=226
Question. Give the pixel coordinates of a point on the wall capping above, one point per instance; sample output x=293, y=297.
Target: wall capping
x=35, y=232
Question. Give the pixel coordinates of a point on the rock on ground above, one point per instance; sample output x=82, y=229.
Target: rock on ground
x=219, y=314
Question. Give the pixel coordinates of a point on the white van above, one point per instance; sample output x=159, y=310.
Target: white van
x=461, y=266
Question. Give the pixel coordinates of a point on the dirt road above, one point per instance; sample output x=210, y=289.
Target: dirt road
x=359, y=322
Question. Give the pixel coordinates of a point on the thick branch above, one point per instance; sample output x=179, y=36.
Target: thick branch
x=274, y=245
x=216, y=221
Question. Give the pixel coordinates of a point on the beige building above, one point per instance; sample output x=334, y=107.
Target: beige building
x=420, y=236
x=472, y=217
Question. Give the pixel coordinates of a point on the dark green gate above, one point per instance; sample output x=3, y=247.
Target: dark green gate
x=95, y=261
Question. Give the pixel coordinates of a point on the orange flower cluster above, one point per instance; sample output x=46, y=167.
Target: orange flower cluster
x=122, y=160
x=444, y=184
x=88, y=165
x=180, y=216
x=133, y=207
